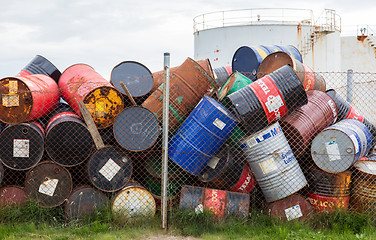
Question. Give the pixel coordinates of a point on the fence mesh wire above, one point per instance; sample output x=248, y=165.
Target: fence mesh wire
x=276, y=145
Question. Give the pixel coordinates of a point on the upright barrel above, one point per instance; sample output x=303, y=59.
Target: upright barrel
x=302, y=125
x=247, y=59
x=189, y=83
x=201, y=135
x=41, y=65
x=68, y=140
x=49, y=184
x=339, y=146
x=267, y=99
x=26, y=98
x=273, y=163
x=80, y=82
x=136, y=77
x=310, y=80
x=22, y=145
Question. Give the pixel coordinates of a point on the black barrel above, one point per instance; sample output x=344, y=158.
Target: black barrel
x=68, y=140
x=138, y=79
x=40, y=65
x=109, y=169
x=136, y=129
x=22, y=145
x=267, y=99
x=221, y=74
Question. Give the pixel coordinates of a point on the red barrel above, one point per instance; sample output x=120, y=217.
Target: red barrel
x=290, y=208
x=26, y=98
x=82, y=83
x=12, y=195
x=323, y=203
x=302, y=125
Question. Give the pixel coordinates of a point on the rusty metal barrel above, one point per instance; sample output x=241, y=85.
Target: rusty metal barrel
x=310, y=80
x=68, y=140
x=267, y=99
x=109, y=169
x=136, y=129
x=82, y=83
x=338, y=147
x=136, y=77
x=363, y=191
x=26, y=98
x=328, y=191
x=188, y=84
x=133, y=203
x=49, y=184
x=302, y=125
x=273, y=163
x=41, y=65
x=294, y=207
x=221, y=203
x=83, y=201
x=12, y=195
x=22, y=145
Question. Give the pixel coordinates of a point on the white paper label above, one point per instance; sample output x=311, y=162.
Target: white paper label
x=21, y=148
x=219, y=124
x=293, y=212
x=273, y=103
x=11, y=100
x=110, y=169
x=355, y=141
x=13, y=86
x=48, y=187
x=268, y=166
x=213, y=162
x=199, y=209
x=332, y=151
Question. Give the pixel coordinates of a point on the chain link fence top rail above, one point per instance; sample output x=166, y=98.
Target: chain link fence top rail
x=285, y=141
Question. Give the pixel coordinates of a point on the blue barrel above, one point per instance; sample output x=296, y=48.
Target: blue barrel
x=247, y=59
x=201, y=135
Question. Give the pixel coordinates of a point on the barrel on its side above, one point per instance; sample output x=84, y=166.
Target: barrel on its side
x=290, y=208
x=41, y=65
x=221, y=74
x=12, y=195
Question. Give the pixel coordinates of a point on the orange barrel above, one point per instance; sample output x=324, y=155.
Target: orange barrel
x=41, y=65
x=133, y=203
x=219, y=202
x=22, y=145
x=49, y=184
x=82, y=83
x=188, y=84
x=158, y=76
x=109, y=169
x=26, y=98
x=276, y=60
x=83, y=201
x=302, y=125
x=12, y=195
x=290, y=208
x=363, y=190
x=137, y=77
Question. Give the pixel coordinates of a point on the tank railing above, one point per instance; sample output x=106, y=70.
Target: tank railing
x=328, y=21
x=257, y=16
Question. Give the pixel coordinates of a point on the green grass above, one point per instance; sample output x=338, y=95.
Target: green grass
x=34, y=222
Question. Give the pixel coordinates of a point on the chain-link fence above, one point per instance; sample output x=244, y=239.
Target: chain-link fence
x=285, y=141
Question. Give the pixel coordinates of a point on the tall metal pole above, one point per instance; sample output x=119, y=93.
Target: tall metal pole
x=349, y=85
x=166, y=103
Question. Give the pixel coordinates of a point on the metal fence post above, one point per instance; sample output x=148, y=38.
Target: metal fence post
x=349, y=85
x=166, y=96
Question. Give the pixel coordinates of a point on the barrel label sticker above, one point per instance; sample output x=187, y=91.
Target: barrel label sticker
x=219, y=124
x=213, y=162
x=110, y=169
x=21, y=148
x=13, y=86
x=11, y=100
x=268, y=166
x=270, y=98
x=356, y=143
x=293, y=212
x=48, y=187
x=355, y=114
x=332, y=151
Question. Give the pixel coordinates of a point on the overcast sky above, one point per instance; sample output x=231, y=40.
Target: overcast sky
x=104, y=33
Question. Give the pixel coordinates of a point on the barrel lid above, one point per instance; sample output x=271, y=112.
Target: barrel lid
x=245, y=61
x=136, y=129
x=273, y=62
x=137, y=77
